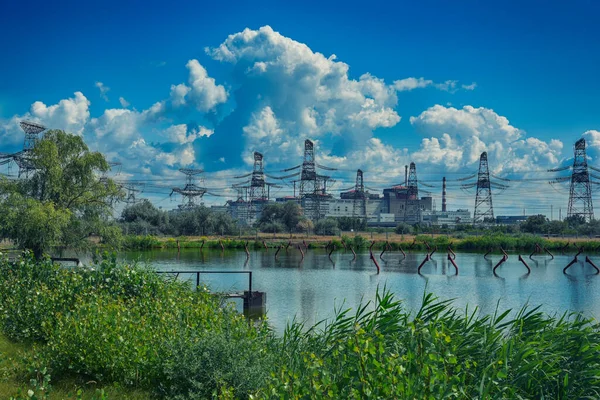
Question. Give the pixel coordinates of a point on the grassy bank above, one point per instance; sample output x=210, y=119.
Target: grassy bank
x=127, y=331
x=515, y=242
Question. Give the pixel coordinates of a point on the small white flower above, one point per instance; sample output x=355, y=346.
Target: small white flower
x=30, y=393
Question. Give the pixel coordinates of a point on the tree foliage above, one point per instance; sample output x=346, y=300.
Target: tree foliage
x=144, y=218
x=277, y=217
x=64, y=201
x=327, y=226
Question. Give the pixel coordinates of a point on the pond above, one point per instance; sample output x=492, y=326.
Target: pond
x=312, y=288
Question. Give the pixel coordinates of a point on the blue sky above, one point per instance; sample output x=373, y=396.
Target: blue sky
x=534, y=65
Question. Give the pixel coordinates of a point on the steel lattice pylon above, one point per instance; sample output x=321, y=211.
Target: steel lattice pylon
x=258, y=191
x=191, y=191
x=483, y=198
x=32, y=130
x=359, y=209
x=310, y=186
x=412, y=191
x=580, y=195
x=22, y=158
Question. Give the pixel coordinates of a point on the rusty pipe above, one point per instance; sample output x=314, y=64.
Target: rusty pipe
x=569, y=264
x=423, y=263
x=453, y=263
x=587, y=260
x=502, y=260
x=525, y=264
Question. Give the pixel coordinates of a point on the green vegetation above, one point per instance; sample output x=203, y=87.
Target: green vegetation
x=63, y=202
x=117, y=331
x=327, y=226
x=127, y=326
x=144, y=218
x=517, y=242
x=534, y=224
x=439, y=353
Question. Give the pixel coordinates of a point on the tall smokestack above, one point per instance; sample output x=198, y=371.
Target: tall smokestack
x=444, y=194
x=405, y=175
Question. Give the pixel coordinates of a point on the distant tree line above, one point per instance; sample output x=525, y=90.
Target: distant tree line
x=144, y=218
x=535, y=224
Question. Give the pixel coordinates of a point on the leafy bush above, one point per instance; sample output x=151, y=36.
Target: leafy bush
x=327, y=226
x=211, y=365
x=403, y=228
x=117, y=323
x=359, y=241
x=272, y=227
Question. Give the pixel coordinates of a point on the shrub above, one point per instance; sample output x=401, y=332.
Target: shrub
x=210, y=365
x=327, y=226
x=403, y=228
x=116, y=323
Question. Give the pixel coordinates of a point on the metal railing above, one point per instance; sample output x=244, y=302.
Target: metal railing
x=198, y=273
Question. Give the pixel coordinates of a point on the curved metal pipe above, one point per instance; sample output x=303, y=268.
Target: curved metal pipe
x=502, y=260
x=453, y=263
x=434, y=250
x=423, y=263
x=450, y=251
x=402, y=251
x=525, y=264
x=569, y=265
x=277, y=252
x=376, y=264
x=587, y=260
x=486, y=254
x=384, y=250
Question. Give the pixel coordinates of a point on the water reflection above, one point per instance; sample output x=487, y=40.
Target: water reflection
x=309, y=288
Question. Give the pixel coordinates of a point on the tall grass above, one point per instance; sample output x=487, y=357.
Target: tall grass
x=386, y=352
x=120, y=324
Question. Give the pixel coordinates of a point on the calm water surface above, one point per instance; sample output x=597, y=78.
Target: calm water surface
x=310, y=290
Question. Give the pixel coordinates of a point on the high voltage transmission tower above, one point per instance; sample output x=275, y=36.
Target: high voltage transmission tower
x=313, y=186
x=254, y=193
x=412, y=193
x=22, y=158
x=484, y=210
x=580, y=195
x=130, y=200
x=359, y=207
x=32, y=130
x=191, y=191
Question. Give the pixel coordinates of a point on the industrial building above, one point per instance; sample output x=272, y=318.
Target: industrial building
x=448, y=218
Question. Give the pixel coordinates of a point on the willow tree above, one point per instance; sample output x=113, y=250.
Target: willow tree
x=64, y=201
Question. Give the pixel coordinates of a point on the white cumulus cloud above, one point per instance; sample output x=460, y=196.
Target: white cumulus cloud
x=309, y=93
x=202, y=92
x=459, y=136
